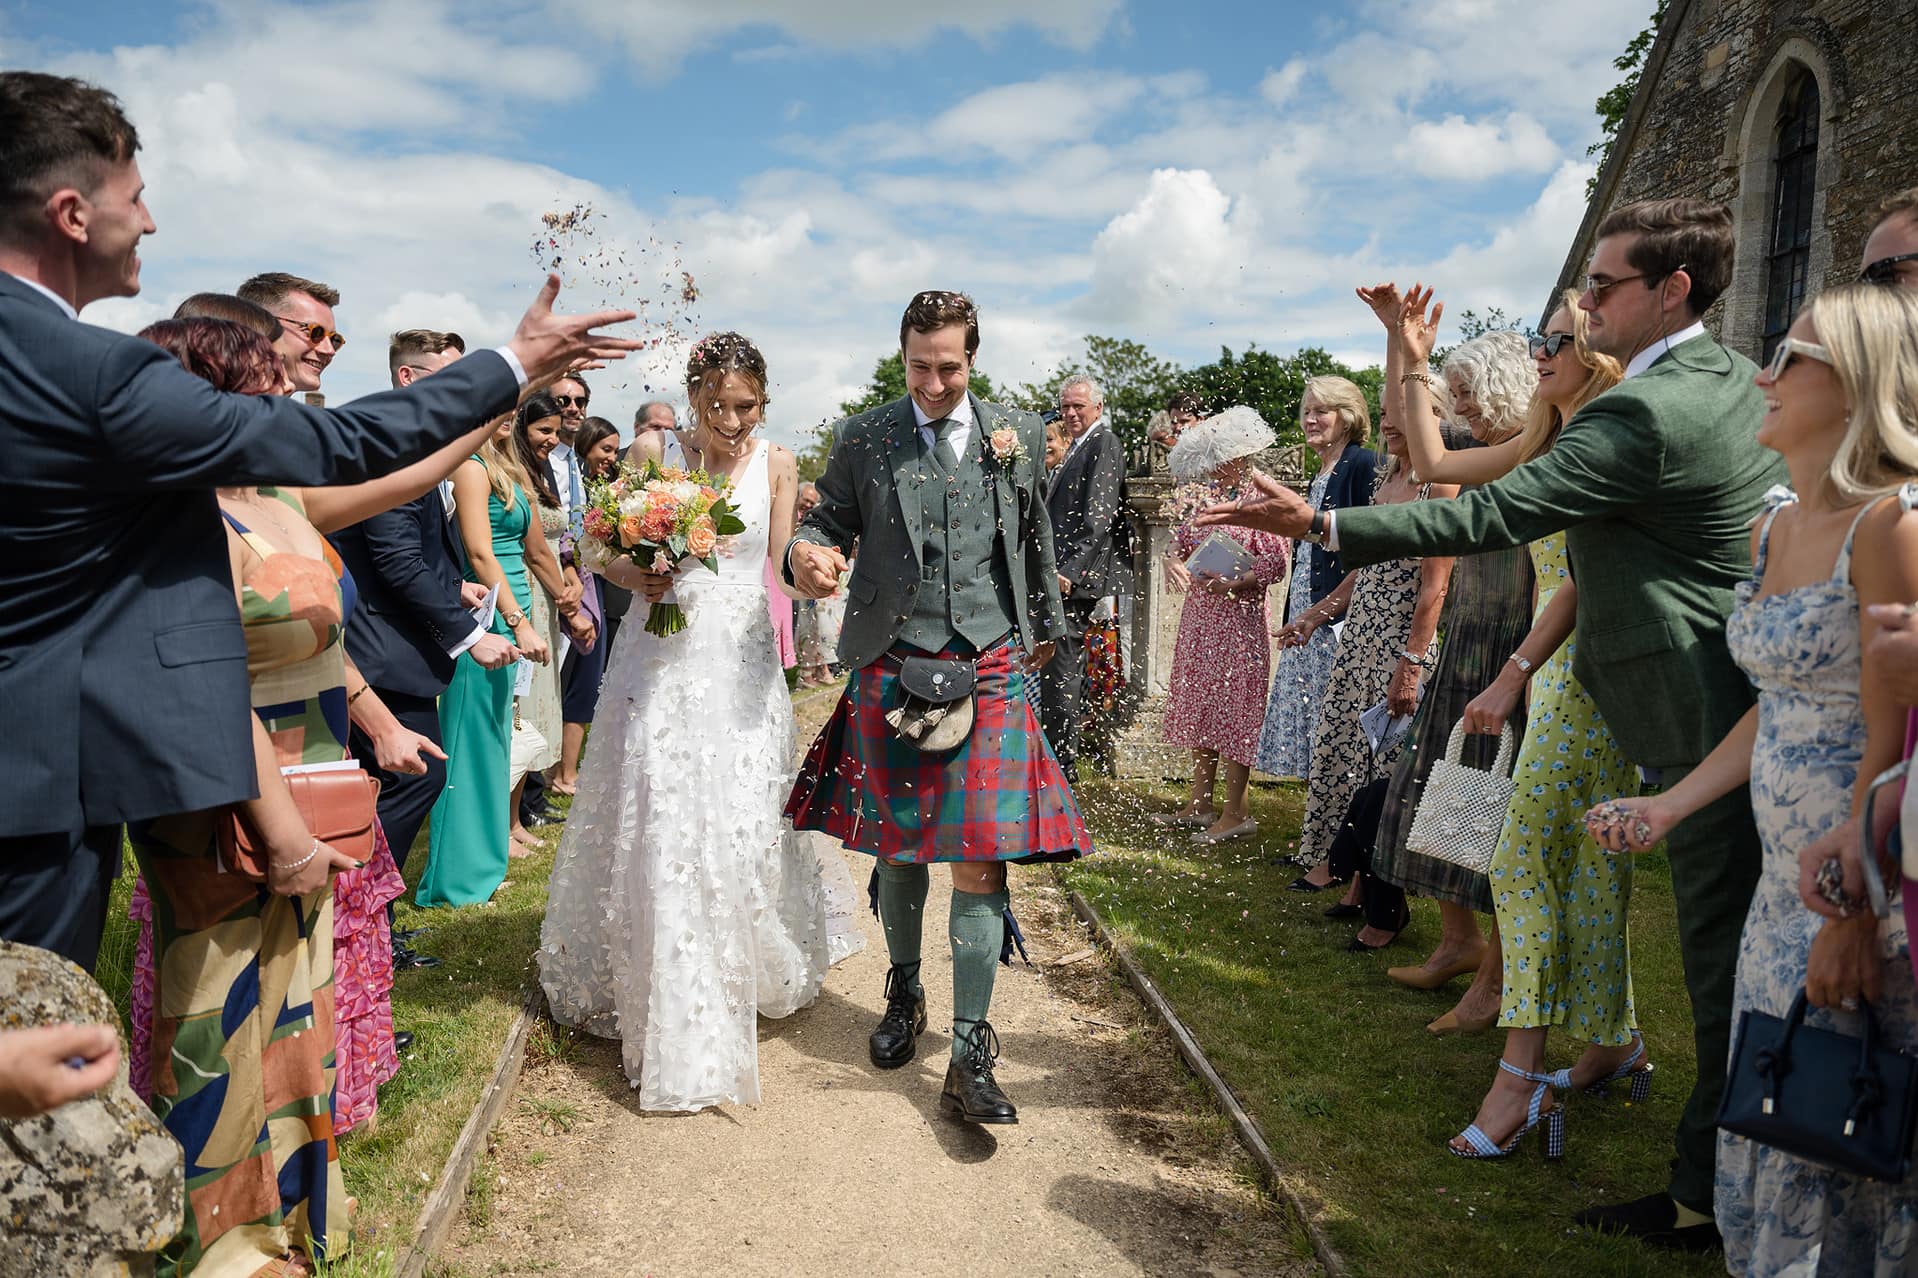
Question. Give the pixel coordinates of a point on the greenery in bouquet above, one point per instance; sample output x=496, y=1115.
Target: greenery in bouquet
x=658, y=517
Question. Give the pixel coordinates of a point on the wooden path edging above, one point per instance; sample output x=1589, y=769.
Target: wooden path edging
x=1243, y=1124
x=442, y=1207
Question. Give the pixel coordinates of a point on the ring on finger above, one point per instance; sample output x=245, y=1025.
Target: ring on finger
x=1849, y=1003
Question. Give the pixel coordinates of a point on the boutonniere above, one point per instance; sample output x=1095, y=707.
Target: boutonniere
x=1006, y=446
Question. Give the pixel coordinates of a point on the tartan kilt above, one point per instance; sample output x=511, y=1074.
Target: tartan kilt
x=999, y=796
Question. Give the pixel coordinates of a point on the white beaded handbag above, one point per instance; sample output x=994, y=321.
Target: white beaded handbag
x=1463, y=810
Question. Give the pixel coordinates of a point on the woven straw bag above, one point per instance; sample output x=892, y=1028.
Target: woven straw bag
x=1463, y=810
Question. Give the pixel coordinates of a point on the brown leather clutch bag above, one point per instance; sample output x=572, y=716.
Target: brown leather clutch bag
x=339, y=807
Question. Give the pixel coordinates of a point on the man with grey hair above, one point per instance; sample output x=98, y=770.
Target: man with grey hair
x=1085, y=500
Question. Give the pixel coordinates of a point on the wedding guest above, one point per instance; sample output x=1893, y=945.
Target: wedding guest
x=1220, y=660
x=1655, y=484
x=654, y=414
x=1488, y=609
x=1085, y=498
x=554, y=595
x=1891, y=250
x=1182, y=410
x=1841, y=397
x=470, y=836
x=573, y=396
x=597, y=446
x=1385, y=647
x=1057, y=442
x=153, y=637
x=308, y=340
x=413, y=627
x=1337, y=426
x=249, y=971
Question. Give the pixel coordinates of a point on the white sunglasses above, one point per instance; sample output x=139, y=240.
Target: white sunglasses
x=1790, y=346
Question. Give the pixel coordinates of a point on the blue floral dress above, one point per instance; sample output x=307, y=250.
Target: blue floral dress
x=1292, y=710
x=1779, y=1214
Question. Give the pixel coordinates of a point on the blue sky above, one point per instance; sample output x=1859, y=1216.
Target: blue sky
x=1184, y=174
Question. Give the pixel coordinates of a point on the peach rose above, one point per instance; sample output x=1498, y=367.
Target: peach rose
x=631, y=531
x=702, y=537
x=657, y=523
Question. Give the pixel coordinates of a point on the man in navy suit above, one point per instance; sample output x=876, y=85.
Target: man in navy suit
x=412, y=624
x=122, y=664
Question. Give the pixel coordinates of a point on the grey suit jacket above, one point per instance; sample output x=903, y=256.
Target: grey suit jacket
x=122, y=665
x=1085, y=502
x=870, y=493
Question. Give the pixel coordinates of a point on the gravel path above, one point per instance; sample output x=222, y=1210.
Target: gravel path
x=1118, y=1166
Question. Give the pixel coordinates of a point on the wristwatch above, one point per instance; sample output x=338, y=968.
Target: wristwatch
x=1524, y=666
x=514, y=618
x=1316, y=530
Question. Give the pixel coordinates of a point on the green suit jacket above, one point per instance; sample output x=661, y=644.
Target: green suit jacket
x=870, y=494
x=1656, y=483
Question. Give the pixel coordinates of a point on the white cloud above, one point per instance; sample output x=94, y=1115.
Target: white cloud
x=1461, y=150
x=1279, y=87
x=1172, y=251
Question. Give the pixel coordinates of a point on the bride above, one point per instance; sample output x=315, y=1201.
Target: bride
x=681, y=905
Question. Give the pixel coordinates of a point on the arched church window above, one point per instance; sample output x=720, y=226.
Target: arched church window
x=1794, y=181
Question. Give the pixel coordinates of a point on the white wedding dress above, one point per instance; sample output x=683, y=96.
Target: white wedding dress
x=682, y=905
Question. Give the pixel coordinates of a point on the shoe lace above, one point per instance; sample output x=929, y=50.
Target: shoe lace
x=899, y=996
x=982, y=1049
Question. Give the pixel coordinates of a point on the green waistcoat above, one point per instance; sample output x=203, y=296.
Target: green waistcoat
x=959, y=594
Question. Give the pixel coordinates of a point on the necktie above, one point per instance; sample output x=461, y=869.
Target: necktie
x=943, y=447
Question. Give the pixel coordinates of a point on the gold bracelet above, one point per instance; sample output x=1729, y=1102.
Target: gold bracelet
x=1416, y=377
x=351, y=697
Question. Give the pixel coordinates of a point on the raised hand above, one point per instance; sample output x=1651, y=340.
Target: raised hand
x=548, y=343
x=1385, y=302
x=1266, y=505
x=1416, y=330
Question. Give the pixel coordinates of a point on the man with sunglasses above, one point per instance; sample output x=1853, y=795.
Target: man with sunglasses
x=571, y=394
x=136, y=686
x=1655, y=484
x=308, y=340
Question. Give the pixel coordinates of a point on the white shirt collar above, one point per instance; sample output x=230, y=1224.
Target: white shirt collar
x=1090, y=431
x=1649, y=356
x=961, y=415
x=58, y=301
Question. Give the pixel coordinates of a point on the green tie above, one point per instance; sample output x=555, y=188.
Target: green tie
x=943, y=448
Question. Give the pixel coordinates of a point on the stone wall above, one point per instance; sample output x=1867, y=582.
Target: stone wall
x=1701, y=125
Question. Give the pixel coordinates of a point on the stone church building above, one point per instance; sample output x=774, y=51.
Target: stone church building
x=1801, y=115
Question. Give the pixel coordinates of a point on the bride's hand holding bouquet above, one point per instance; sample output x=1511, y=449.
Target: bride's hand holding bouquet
x=657, y=518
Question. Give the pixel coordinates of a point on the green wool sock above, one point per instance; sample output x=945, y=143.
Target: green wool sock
x=902, y=909
x=978, y=928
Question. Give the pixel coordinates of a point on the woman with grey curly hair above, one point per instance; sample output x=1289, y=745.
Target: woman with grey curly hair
x=1220, y=663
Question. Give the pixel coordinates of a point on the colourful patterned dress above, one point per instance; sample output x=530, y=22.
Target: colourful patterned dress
x=1222, y=659
x=1560, y=898
x=242, y=1059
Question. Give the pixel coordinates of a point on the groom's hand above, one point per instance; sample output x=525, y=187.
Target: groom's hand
x=816, y=569
x=1265, y=504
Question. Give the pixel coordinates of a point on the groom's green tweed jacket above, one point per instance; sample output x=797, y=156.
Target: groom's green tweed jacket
x=1657, y=482
x=870, y=493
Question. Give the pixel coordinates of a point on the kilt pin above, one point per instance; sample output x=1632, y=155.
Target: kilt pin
x=954, y=561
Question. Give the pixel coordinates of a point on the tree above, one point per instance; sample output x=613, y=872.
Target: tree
x=1135, y=383
x=1618, y=99
x=1274, y=384
x=888, y=383
x=1471, y=324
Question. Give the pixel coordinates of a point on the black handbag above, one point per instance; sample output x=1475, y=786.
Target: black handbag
x=934, y=707
x=1842, y=1102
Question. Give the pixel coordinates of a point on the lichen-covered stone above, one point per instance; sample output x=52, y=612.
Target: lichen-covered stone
x=95, y=1187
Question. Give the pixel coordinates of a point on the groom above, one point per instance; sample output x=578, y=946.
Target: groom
x=944, y=495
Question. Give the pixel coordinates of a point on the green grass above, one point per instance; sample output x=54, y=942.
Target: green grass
x=461, y=1013
x=1333, y=1060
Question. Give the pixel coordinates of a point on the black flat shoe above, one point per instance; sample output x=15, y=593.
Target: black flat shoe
x=1653, y=1218
x=404, y=939
x=402, y=1039
x=896, y=1038
x=1356, y=946
x=1303, y=884
x=407, y=960
x=971, y=1093
x=1344, y=911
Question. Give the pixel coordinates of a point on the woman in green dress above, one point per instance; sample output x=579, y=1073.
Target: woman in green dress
x=470, y=840
x=1561, y=900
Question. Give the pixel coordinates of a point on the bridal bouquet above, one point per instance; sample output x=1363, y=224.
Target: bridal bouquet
x=657, y=516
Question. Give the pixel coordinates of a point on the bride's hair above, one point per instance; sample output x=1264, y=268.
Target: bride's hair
x=716, y=355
